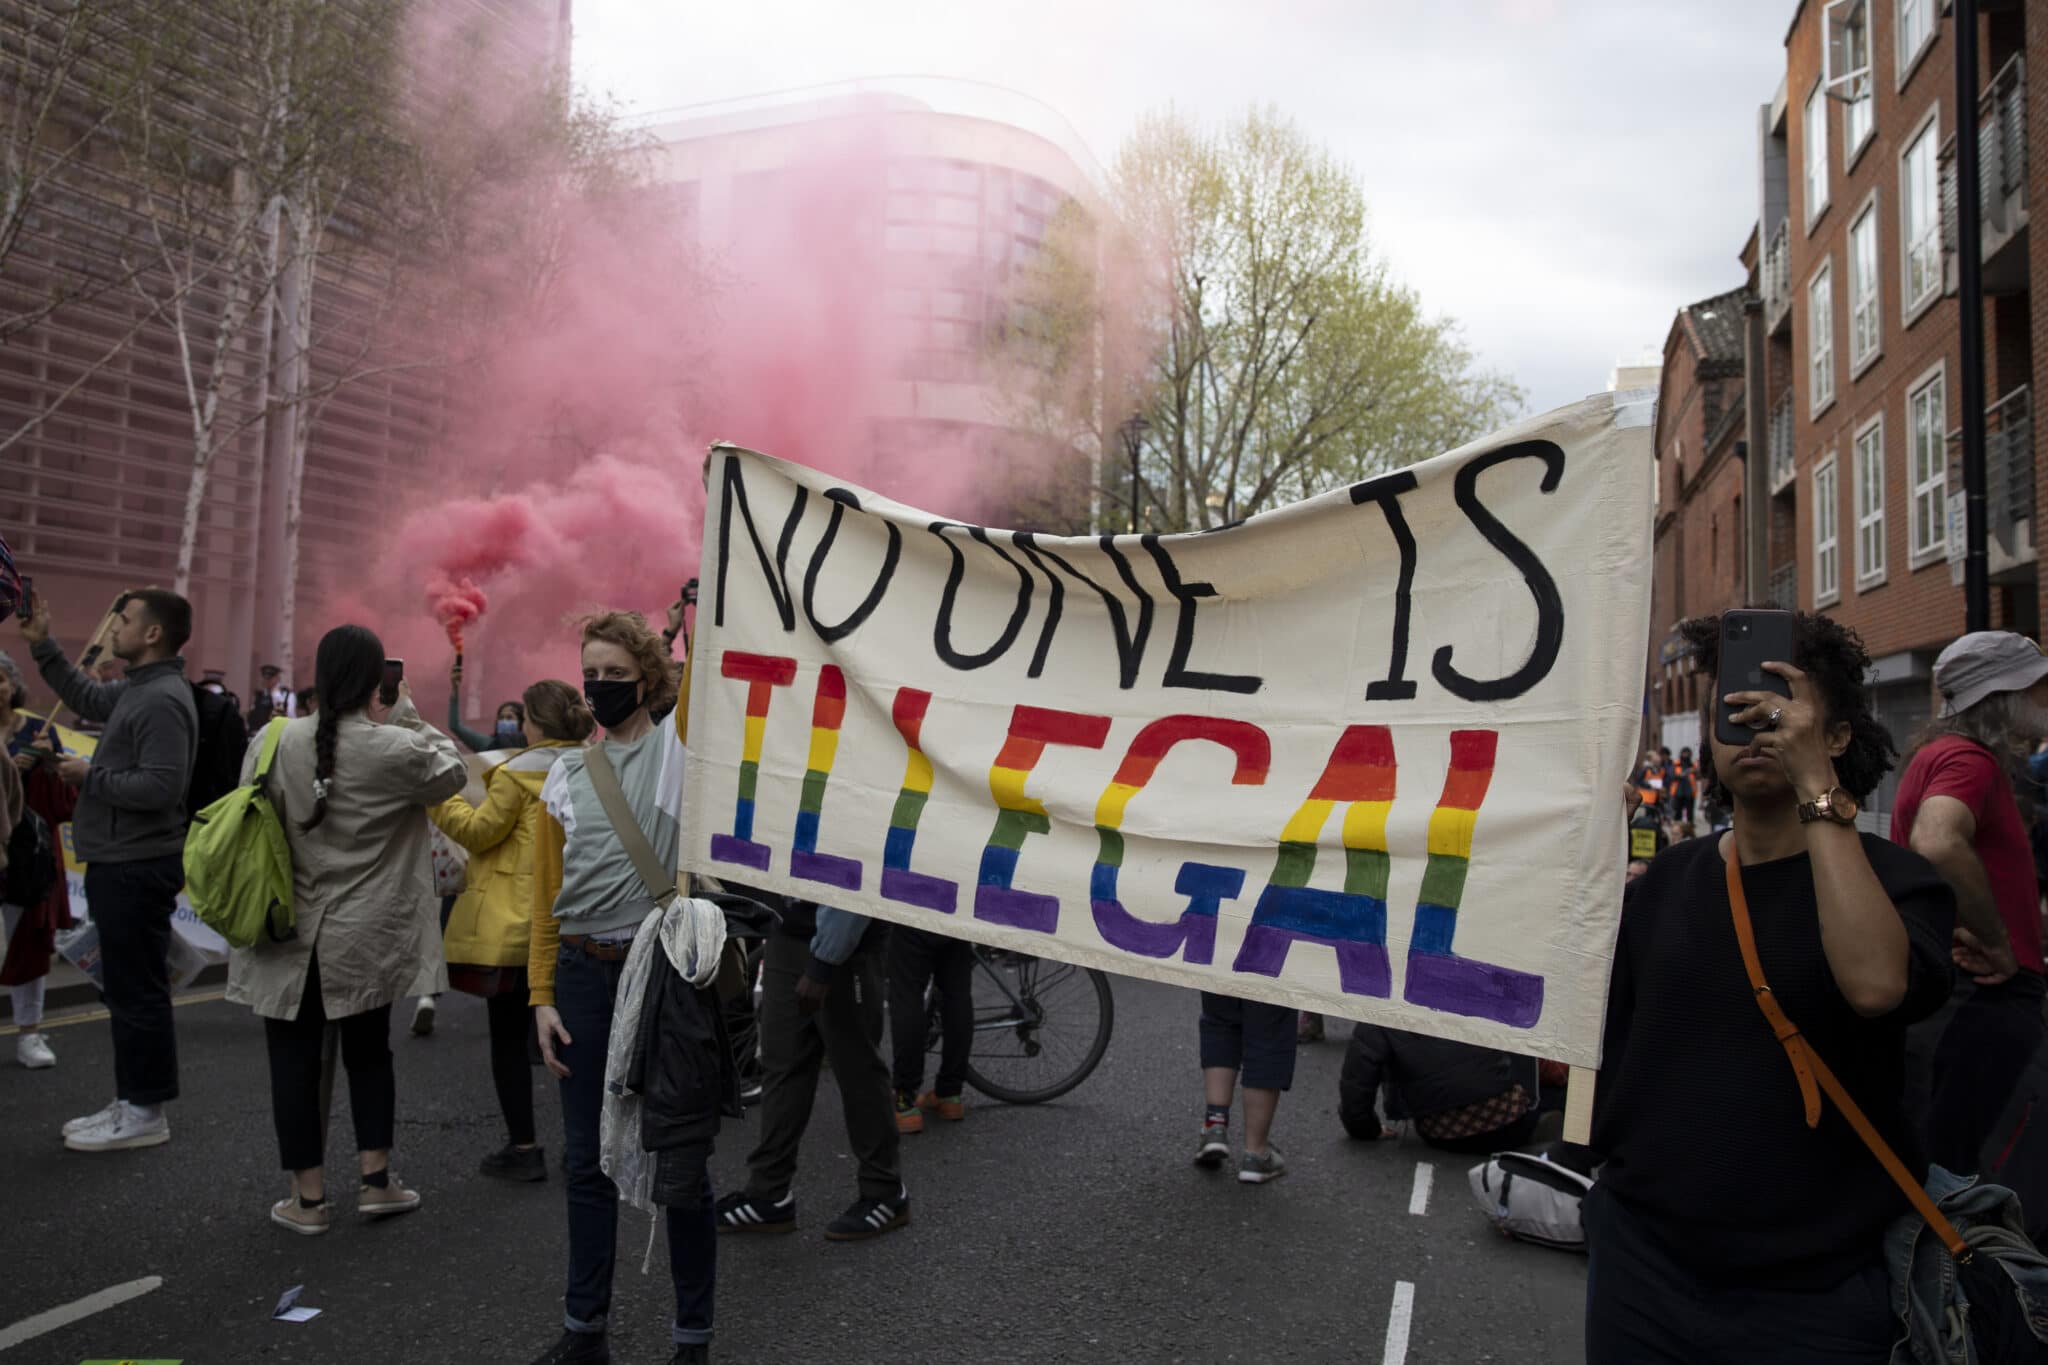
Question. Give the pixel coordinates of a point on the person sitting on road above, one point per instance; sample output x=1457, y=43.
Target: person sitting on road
x=1462, y=1098
x=489, y=927
x=349, y=787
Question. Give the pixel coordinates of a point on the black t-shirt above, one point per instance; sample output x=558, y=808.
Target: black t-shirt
x=1697, y=1108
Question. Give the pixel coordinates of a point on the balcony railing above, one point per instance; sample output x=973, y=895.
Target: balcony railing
x=1781, y=443
x=2009, y=465
x=2001, y=162
x=1785, y=587
x=1777, y=276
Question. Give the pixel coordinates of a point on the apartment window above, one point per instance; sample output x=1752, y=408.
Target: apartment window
x=1827, y=555
x=1920, y=218
x=1927, y=464
x=1864, y=332
x=1857, y=122
x=1820, y=337
x=1870, y=563
x=1815, y=131
x=1916, y=31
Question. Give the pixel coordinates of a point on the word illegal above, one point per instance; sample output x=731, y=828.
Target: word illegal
x=1359, y=775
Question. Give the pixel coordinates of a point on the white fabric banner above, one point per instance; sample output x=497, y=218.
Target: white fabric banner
x=1362, y=755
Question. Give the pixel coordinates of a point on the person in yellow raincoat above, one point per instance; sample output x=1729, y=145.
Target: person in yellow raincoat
x=490, y=925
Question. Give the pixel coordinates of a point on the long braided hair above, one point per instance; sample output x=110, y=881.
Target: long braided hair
x=346, y=673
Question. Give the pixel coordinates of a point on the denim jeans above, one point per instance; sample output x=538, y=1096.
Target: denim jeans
x=584, y=991
x=132, y=904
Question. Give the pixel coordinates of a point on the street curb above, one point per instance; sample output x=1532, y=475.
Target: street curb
x=80, y=993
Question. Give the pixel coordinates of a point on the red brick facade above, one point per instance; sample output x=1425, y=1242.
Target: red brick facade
x=1881, y=566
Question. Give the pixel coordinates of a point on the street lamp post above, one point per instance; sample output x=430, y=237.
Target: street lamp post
x=1133, y=431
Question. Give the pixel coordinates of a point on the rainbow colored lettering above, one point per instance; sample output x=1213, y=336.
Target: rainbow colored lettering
x=1437, y=977
x=1352, y=922
x=899, y=883
x=827, y=711
x=1206, y=886
x=1018, y=815
x=762, y=672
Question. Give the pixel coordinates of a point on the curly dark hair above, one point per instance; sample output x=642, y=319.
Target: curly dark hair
x=1833, y=656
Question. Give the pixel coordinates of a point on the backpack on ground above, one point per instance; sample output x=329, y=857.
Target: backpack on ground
x=223, y=743
x=238, y=867
x=1535, y=1196
x=33, y=863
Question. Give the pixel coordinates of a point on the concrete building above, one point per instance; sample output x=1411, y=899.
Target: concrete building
x=92, y=502
x=968, y=179
x=1849, y=501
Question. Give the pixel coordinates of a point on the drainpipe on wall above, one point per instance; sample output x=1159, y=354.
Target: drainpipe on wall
x=1756, y=470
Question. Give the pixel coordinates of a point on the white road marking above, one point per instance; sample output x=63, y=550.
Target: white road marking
x=1397, y=1323
x=1418, y=1198
x=30, y=1328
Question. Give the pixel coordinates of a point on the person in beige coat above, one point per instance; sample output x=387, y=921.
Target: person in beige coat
x=351, y=786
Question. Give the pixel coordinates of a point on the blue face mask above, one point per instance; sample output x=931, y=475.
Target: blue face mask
x=508, y=729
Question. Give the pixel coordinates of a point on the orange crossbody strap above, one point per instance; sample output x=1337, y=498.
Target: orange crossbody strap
x=1808, y=1067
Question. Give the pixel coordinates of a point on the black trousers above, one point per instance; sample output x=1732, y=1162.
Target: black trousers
x=295, y=1078
x=511, y=1023
x=1993, y=1034
x=916, y=957
x=132, y=904
x=1643, y=1308
x=848, y=1029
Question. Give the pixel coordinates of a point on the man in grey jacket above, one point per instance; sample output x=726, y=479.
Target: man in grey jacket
x=129, y=830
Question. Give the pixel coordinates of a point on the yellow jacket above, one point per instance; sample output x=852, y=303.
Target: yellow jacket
x=492, y=919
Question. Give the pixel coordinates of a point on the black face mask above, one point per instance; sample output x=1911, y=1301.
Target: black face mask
x=611, y=700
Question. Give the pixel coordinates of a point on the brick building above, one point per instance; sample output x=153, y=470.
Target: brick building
x=1850, y=357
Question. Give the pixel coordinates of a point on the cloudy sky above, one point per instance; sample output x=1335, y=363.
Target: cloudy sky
x=1557, y=175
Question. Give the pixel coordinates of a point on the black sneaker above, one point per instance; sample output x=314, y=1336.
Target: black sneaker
x=866, y=1218
x=577, y=1348
x=744, y=1212
x=695, y=1354
x=510, y=1163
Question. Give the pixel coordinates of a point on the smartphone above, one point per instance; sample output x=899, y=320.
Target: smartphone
x=1749, y=640
x=394, y=674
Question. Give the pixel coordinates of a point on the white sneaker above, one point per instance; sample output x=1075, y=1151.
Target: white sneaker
x=92, y=1120
x=32, y=1050
x=126, y=1129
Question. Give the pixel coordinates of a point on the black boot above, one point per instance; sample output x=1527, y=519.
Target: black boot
x=577, y=1348
x=510, y=1163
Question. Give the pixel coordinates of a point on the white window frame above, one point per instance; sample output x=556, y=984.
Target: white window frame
x=1865, y=290
x=1927, y=536
x=1927, y=132
x=1827, y=554
x=1871, y=528
x=1814, y=151
x=1820, y=326
x=1909, y=60
x=1853, y=143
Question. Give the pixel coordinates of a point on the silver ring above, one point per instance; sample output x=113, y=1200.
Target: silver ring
x=1777, y=714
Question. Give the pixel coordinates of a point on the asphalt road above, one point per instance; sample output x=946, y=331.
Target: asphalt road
x=1071, y=1231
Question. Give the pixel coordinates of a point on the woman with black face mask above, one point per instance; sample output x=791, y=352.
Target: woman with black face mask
x=588, y=901
x=506, y=733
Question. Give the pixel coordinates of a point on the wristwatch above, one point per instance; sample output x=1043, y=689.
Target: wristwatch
x=1833, y=804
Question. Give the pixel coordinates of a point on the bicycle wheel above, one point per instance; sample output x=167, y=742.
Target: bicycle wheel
x=1040, y=1027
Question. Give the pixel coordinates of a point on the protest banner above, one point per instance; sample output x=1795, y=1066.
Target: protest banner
x=1362, y=755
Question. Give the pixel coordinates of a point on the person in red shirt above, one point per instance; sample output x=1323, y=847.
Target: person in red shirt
x=1959, y=807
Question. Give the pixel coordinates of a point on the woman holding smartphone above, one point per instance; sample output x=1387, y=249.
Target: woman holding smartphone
x=350, y=785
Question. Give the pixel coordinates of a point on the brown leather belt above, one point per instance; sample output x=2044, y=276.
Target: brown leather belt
x=601, y=949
